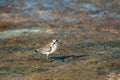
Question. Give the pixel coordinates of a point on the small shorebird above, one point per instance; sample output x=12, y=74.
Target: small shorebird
x=49, y=48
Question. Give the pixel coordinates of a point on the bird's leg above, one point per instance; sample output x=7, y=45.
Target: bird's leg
x=47, y=57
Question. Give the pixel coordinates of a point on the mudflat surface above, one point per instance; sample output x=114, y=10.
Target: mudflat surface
x=88, y=33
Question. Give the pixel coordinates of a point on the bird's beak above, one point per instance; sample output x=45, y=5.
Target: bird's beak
x=56, y=40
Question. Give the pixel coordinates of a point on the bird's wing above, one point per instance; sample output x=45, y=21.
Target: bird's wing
x=46, y=48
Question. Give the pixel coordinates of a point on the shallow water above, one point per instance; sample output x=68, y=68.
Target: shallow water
x=19, y=32
x=43, y=9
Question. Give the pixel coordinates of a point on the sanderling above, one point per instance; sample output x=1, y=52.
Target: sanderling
x=49, y=48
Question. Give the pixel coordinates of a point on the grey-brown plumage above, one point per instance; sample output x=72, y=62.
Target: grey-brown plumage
x=49, y=48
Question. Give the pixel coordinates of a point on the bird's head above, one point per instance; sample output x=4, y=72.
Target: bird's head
x=55, y=41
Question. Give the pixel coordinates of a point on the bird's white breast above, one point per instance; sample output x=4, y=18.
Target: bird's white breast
x=54, y=48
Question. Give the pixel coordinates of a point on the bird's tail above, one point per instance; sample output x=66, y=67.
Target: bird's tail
x=35, y=50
